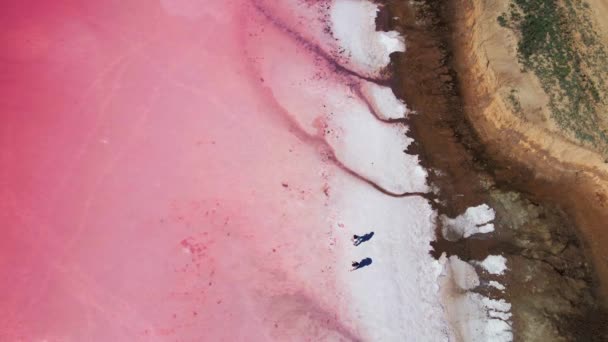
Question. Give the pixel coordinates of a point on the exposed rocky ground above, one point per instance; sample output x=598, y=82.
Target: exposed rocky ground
x=551, y=282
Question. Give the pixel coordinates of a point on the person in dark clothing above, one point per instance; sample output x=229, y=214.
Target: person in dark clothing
x=359, y=264
x=357, y=240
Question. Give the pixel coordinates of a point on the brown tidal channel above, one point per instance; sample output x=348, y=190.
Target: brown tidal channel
x=551, y=281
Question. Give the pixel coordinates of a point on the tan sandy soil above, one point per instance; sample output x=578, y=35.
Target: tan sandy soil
x=600, y=14
x=488, y=68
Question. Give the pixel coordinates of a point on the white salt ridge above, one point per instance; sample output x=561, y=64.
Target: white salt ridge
x=481, y=321
x=497, y=285
x=464, y=274
x=473, y=317
x=475, y=220
x=494, y=264
x=353, y=24
x=383, y=101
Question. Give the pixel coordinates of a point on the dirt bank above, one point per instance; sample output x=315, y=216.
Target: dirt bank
x=552, y=285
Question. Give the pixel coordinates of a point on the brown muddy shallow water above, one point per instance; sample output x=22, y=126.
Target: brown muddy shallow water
x=551, y=282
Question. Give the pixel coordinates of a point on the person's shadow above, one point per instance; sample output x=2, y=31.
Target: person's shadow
x=361, y=239
x=363, y=263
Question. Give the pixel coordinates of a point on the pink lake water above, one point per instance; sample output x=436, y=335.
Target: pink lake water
x=163, y=176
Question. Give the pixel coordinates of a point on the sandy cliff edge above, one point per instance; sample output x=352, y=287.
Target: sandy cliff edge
x=487, y=64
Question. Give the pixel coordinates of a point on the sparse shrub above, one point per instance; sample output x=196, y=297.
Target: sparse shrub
x=502, y=20
x=573, y=71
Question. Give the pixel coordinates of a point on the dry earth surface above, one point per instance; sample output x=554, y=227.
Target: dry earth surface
x=548, y=190
x=575, y=175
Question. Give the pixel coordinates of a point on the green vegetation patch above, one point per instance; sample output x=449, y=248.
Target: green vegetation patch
x=556, y=41
x=514, y=101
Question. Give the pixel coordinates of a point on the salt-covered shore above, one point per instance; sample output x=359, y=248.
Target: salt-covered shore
x=196, y=171
x=403, y=284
